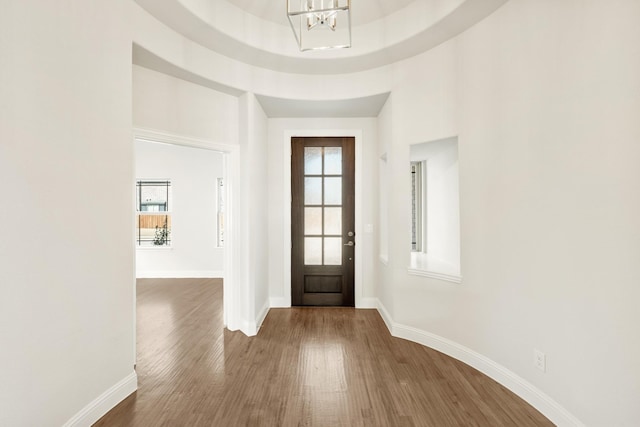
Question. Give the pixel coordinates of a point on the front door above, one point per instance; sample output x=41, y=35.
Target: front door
x=322, y=221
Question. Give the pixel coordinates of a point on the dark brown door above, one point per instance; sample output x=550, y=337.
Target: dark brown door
x=322, y=221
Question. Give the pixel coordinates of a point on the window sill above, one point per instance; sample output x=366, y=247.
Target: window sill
x=425, y=266
x=154, y=248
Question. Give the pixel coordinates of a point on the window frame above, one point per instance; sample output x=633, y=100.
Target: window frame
x=221, y=199
x=167, y=213
x=418, y=208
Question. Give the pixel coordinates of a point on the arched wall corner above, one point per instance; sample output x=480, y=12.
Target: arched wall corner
x=527, y=391
x=233, y=297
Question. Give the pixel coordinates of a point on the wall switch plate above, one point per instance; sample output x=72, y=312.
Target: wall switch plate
x=539, y=360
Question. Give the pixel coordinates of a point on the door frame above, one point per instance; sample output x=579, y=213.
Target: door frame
x=360, y=301
x=345, y=270
x=232, y=299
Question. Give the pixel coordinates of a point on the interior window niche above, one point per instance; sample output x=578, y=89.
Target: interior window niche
x=435, y=210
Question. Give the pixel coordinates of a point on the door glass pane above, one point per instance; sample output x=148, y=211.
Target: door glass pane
x=333, y=221
x=313, y=160
x=332, y=251
x=313, y=191
x=333, y=160
x=313, y=251
x=312, y=221
x=333, y=191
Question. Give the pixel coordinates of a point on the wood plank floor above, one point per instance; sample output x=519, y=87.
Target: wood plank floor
x=306, y=367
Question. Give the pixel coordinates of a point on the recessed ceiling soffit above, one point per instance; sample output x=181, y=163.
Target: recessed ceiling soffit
x=382, y=32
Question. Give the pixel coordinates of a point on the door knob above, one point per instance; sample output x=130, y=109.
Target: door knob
x=349, y=243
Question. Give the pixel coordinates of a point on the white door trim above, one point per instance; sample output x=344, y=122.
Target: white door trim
x=232, y=306
x=357, y=135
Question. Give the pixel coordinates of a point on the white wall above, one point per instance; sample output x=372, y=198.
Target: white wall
x=385, y=289
x=251, y=217
x=544, y=97
x=168, y=104
x=279, y=202
x=193, y=173
x=549, y=175
x=422, y=107
x=66, y=256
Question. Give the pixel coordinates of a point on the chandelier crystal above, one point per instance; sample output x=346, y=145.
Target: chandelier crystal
x=320, y=24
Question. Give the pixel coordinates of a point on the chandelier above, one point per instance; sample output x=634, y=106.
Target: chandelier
x=320, y=24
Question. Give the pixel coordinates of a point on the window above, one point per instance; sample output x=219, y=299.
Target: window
x=323, y=205
x=417, y=218
x=153, y=213
x=221, y=203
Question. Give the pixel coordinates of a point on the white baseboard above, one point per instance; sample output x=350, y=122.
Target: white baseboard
x=180, y=274
x=251, y=328
x=286, y=303
x=385, y=316
x=367, y=303
x=280, y=302
x=262, y=314
x=105, y=402
x=527, y=391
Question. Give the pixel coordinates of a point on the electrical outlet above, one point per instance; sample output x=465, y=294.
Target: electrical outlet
x=539, y=360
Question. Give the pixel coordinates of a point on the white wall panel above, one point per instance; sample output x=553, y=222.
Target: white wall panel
x=193, y=173
x=66, y=167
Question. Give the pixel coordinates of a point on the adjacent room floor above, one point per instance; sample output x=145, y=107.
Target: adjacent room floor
x=306, y=367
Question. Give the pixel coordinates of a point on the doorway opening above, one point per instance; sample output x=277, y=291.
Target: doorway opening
x=199, y=247
x=178, y=215
x=360, y=299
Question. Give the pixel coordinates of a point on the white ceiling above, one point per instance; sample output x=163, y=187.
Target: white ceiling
x=273, y=107
x=256, y=32
x=369, y=106
x=364, y=11
x=406, y=28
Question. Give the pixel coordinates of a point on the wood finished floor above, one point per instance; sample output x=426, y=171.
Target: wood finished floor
x=306, y=367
